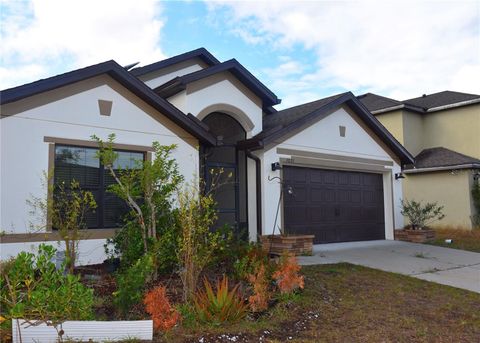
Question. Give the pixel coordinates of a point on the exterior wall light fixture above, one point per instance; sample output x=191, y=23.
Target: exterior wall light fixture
x=276, y=166
x=399, y=176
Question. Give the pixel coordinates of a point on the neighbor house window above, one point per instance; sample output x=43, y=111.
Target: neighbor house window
x=81, y=164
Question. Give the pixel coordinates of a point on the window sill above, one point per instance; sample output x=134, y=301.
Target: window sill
x=50, y=236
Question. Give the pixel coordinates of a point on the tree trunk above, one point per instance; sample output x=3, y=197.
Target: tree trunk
x=134, y=206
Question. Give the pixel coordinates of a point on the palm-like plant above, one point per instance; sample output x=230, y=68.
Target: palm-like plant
x=223, y=306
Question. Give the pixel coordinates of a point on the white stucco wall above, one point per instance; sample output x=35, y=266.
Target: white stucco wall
x=72, y=112
x=323, y=137
x=159, y=77
x=222, y=93
x=91, y=251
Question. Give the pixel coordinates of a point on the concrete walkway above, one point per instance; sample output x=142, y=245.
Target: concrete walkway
x=446, y=266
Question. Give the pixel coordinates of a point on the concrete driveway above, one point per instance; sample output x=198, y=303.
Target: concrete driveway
x=451, y=267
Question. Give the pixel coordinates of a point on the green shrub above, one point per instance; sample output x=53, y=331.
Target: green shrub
x=31, y=287
x=249, y=261
x=223, y=306
x=148, y=190
x=131, y=284
x=420, y=215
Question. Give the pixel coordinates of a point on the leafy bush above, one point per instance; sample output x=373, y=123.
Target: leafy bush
x=31, y=287
x=197, y=242
x=148, y=190
x=420, y=215
x=224, y=306
x=258, y=301
x=250, y=260
x=127, y=243
x=158, y=306
x=131, y=283
x=66, y=211
x=287, y=275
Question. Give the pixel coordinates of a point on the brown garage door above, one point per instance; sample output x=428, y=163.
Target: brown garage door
x=335, y=206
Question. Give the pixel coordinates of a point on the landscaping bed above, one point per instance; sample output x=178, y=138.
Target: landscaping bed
x=347, y=303
x=340, y=302
x=462, y=239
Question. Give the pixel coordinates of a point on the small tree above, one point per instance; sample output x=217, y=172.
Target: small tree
x=66, y=212
x=147, y=189
x=196, y=214
x=420, y=215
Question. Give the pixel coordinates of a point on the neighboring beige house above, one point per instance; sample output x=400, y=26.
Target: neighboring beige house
x=442, y=131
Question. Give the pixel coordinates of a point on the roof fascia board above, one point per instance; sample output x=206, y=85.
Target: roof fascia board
x=357, y=106
x=304, y=120
x=240, y=72
x=442, y=168
x=148, y=95
x=17, y=93
x=122, y=76
x=388, y=109
x=457, y=104
x=201, y=53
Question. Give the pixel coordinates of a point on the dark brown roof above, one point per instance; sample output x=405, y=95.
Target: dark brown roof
x=284, y=117
x=440, y=99
x=376, y=102
x=442, y=157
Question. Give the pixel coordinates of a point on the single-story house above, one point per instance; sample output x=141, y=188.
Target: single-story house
x=442, y=131
x=335, y=161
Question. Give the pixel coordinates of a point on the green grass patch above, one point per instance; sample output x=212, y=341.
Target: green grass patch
x=461, y=239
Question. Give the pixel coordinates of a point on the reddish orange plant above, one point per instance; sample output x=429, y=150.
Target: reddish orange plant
x=164, y=316
x=287, y=274
x=261, y=294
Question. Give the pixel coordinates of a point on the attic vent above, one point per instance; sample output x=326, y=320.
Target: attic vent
x=342, y=130
x=105, y=107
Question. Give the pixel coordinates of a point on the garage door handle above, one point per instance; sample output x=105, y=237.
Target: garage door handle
x=337, y=212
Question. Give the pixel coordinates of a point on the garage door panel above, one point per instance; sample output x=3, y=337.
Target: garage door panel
x=335, y=206
x=322, y=215
x=296, y=215
x=299, y=194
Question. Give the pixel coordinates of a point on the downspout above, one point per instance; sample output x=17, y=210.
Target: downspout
x=258, y=190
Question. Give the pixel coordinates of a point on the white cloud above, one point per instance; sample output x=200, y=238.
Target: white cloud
x=398, y=49
x=47, y=37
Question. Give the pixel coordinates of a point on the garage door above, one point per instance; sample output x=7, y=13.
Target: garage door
x=335, y=206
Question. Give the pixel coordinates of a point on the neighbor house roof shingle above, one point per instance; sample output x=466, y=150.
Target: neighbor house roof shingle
x=376, y=102
x=440, y=157
x=426, y=103
x=439, y=99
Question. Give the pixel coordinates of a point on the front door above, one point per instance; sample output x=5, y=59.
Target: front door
x=224, y=169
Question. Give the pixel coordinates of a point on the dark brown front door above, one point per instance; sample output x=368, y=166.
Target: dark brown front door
x=335, y=206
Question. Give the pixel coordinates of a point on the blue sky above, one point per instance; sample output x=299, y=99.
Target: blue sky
x=301, y=50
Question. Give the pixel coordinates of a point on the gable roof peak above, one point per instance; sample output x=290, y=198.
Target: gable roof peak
x=179, y=83
x=123, y=77
x=200, y=53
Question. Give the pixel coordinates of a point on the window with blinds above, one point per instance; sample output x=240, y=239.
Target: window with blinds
x=81, y=164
